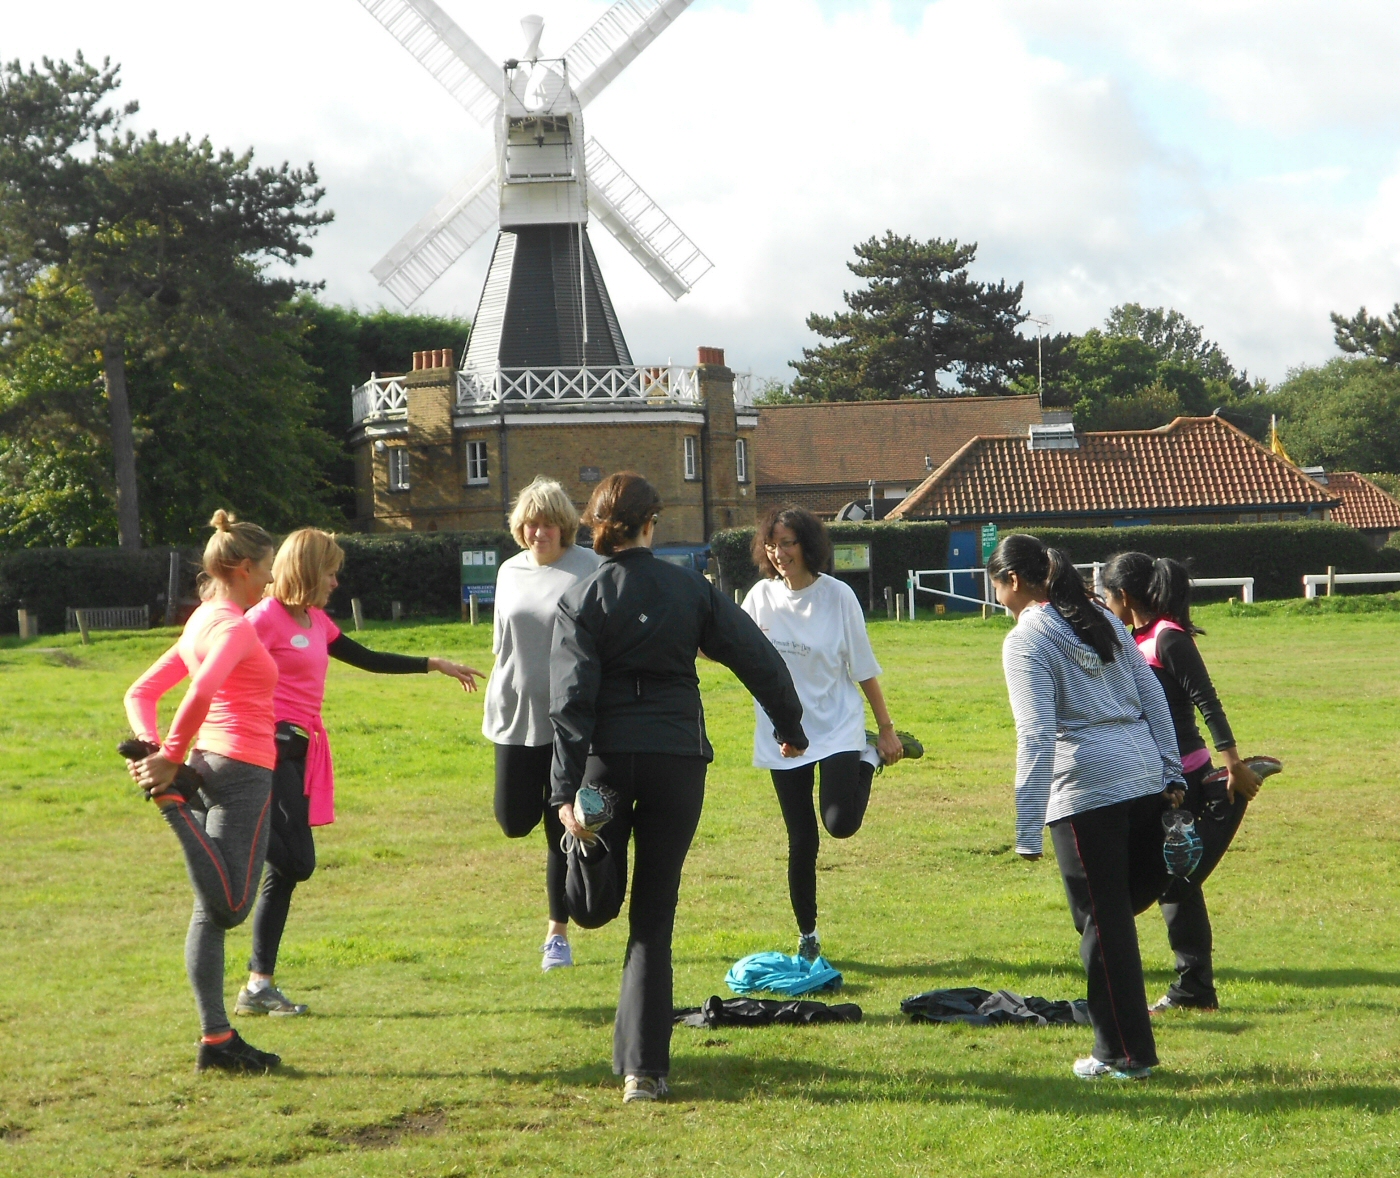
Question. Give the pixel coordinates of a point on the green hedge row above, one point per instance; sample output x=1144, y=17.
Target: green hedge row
x=420, y=569
x=1275, y=555
x=895, y=548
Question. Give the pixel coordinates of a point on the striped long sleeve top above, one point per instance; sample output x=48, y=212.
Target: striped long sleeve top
x=1088, y=733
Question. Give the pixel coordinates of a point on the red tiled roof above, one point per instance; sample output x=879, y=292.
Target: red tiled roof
x=1364, y=505
x=853, y=441
x=1195, y=463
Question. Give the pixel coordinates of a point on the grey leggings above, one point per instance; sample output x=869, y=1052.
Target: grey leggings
x=224, y=848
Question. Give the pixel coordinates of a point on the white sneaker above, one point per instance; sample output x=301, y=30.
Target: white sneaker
x=1093, y=1069
x=647, y=1088
x=557, y=953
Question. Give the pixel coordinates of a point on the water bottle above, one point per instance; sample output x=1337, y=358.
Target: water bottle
x=1181, y=845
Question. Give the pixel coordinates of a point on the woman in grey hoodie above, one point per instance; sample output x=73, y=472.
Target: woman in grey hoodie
x=1096, y=753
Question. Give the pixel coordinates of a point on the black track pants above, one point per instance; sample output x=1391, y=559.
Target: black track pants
x=845, y=793
x=291, y=858
x=659, y=798
x=1184, y=903
x=522, y=799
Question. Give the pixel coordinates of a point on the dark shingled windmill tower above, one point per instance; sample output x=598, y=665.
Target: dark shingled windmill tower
x=544, y=303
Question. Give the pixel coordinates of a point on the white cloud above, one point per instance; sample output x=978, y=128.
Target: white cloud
x=1095, y=149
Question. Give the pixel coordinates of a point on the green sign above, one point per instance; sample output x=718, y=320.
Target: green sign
x=851, y=558
x=479, y=567
x=989, y=541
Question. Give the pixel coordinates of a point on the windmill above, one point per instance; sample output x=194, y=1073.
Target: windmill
x=544, y=303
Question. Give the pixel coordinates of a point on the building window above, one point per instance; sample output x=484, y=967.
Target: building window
x=692, y=456
x=398, y=468
x=741, y=459
x=476, y=464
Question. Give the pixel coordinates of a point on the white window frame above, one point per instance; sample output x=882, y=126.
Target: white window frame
x=478, y=469
x=741, y=459
x=399, y=473
x=691, y=446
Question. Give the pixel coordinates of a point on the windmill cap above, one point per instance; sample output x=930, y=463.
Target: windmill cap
x=533, y=27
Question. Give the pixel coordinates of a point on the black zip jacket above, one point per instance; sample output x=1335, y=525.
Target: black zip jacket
x=622, y=667
x=380, y=662
x=1187, y=686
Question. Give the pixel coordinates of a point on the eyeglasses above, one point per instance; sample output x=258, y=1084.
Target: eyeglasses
x=785, y=545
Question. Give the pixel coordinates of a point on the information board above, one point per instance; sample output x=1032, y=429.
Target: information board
x=989, y=541
x=479, y=567
x=851, y=558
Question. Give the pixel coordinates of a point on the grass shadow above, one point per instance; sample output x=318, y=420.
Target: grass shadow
x=1313, y=979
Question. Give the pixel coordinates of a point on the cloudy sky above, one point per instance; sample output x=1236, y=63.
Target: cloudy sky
x=1236, y=159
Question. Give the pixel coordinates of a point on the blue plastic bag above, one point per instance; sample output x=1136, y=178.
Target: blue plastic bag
x=781, y=974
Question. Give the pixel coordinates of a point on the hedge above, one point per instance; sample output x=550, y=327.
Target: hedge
x=420, y=569
x=895, y=548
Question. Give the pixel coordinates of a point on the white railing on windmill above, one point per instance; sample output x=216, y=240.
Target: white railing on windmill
x=481, y=86
x=385, y=398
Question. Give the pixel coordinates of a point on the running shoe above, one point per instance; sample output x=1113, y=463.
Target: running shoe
x=557, y=954
x=268, y=1000
x=235, y=1055
x=1263, y=767
x=1092, y=1069
x=913, y=747
x=1167, y=1003
x=646, y=1088
x=187, y=781
x=809, y=946
x=594, y=807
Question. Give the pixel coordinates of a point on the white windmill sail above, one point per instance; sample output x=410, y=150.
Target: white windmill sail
x=445, y=51
x=615, y=39
x=637, y=221
x=423, y=253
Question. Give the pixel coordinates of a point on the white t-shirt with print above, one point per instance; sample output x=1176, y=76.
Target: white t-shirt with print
x=820, y=632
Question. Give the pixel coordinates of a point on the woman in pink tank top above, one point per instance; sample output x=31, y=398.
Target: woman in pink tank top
x=1153, y=598
x=225, y=725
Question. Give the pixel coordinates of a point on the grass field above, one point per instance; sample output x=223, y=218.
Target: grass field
x=436, y=1047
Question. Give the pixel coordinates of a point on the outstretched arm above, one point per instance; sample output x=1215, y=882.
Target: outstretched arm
x=379, y=662
x=733, y=638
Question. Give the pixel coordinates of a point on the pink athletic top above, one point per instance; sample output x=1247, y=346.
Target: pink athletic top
x=228, y=708
x=1147, y=643
x=300, y=654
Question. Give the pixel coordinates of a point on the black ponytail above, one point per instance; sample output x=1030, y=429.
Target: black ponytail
x=1037, y=565
x=1162, y=586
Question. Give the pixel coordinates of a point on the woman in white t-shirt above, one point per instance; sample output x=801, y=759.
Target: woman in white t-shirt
x=515, y=718
x=817, y=625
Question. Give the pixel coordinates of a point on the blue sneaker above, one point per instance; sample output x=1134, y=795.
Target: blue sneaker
x=1093, y=1069
x=557, y=954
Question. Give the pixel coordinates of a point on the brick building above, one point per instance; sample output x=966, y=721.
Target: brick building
x=440, y=448
x=1196, y=470
x=824, y=456
x=1364, y=506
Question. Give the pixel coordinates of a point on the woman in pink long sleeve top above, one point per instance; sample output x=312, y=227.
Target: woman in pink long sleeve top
x=225, y=725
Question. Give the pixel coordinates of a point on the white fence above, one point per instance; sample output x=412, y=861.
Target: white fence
x=916, y=585
x=1312, y=580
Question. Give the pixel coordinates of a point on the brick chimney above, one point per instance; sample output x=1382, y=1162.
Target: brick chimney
x=713, y=356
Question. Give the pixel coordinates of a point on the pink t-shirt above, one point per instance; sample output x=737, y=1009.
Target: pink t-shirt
x=300, y=654
x=228, y=708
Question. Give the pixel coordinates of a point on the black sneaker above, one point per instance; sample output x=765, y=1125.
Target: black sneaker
x=235, y=1055
x=187, y=781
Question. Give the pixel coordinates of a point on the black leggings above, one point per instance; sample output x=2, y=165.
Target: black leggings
x=522, y=799
x=291, y=858
x=659, y=798
x=1184, y=903
x=845, y=793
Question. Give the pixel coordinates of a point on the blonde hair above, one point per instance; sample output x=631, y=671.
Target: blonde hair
x=544, y=501
x=303, y=561
x=233, y=542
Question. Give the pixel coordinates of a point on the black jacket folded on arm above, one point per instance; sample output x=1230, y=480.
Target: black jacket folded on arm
x=622, y=666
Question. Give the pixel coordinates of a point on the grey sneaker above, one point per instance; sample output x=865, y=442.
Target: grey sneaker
x=646, y=1088
x=557, y=953
x=913, y=748
x=809, y=947
x=594, y=806
x=268, y=1000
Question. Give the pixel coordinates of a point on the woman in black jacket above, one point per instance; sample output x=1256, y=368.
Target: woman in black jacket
x=629, y=725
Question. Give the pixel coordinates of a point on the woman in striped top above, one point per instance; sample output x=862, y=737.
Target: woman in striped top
x=1095, y=755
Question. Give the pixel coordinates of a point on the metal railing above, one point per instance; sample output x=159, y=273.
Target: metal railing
x=916, y=585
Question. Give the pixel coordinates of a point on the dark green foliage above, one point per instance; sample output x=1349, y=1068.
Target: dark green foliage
x=921, y=327
x=423, y=570
x=895, y=549
x=1369, y=335
x=50, y=580
x=1344, y=415
x=1275, y=555
x=343, y=346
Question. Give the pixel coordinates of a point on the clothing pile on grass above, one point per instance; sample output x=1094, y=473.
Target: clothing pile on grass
x=777, y=973
x=983, y=1008
x=764, y=1012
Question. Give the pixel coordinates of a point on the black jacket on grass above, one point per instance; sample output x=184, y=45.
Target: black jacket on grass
x=622, y=667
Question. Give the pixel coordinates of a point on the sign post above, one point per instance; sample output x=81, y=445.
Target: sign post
x=989, y=541
x=854, y=558
x=479, y=566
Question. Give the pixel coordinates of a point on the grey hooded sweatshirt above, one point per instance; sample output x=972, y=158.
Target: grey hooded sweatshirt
x=1088, y=733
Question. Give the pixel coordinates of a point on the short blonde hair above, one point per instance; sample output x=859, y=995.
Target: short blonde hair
x=544, y=501
x=303, y=561
x=233, y=542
